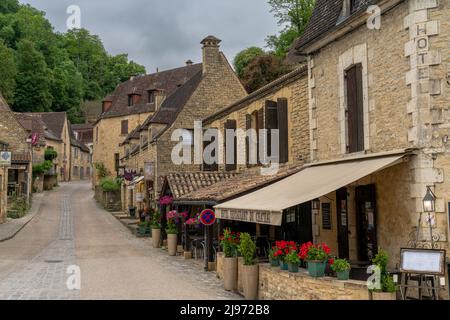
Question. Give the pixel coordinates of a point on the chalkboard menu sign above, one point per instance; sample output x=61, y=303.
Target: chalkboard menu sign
x=326, y=216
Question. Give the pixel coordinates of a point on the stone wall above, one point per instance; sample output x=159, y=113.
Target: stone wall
x=276, y=284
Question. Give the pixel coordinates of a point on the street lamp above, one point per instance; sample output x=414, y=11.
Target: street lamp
x=429, y=206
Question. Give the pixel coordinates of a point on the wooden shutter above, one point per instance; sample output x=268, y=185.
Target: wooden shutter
x=124, y=128
x=271, y=122
x=231, y=125
x=283, y=127
x=209, y=167
x=355, y=114
x=259, y=126
x=248, y=126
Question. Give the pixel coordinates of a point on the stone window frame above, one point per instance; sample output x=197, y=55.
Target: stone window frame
x=354, y=55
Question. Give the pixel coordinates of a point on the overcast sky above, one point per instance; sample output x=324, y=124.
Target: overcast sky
x=165, y=33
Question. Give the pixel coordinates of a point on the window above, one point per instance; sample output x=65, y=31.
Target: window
x=188, y=137
x=124, y=127
x=96, y=134
x=355, y=109
x=130, y=100
x=210, y=157
x=75, y=171
x=151, y=96
x=117, y=161
x=230, y=161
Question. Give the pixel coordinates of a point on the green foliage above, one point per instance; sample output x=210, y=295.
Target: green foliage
x=294, y=15
x=8, y=72
x=171, y=227
x=244, y=57
x=340, y=265
x=42, y=167
x=110, y=185
x=19, y=208
x=50, y=154
x=229, y=242
x=247, y=248
x=262, y=71
x=102, y=171
x=292, y=257
x=68, y=68
x=156, y=220
x=387, y=282
x=33, y=80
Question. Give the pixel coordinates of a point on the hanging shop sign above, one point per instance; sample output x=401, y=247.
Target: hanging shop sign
x=149, y=171
x=207, y=217
x=5, y=158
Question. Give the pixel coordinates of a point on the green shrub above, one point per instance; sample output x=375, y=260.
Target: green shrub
x=387, y=282
x=340, y=265
x=50, y=154
x=110, y=185
x=19, y=208
x=247, y=248
x=42, y=167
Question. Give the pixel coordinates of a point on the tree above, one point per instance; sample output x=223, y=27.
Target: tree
x=9, y=6
x=120, y=69
x=263, y=70
x=32, y=93
x=244, y=57
x=294, y=15
x=8, y=72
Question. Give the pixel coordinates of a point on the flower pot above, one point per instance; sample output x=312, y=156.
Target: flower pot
x=274, y=263
x=142, y=230
x=316, y=269
x=172, y=244
x=156, y=238
x=293, y=267
x=230, y=272
x=284, y=265
x=384, y=296
x=343, y=275
x=250, y=277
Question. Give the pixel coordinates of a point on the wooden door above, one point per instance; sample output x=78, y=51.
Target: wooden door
x=342, y=220
x=365, y=198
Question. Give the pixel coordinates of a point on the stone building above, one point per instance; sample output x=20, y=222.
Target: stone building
x=128, y=107
x=80, y=158
x=14, y=179
x=209, y=90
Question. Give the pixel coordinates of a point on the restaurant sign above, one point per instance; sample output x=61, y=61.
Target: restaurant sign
x=5, y=158
x=253, y=216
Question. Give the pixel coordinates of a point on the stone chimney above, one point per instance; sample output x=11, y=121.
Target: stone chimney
x=189, y=62
x=211, y=53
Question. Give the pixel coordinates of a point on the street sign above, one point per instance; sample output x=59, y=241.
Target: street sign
x=207, y=217
x=5, y=158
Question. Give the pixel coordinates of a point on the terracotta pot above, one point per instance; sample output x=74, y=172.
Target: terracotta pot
x=230, y=273
x=250, y=278
x=156, y=238
x=384, y=296
x=172, y=244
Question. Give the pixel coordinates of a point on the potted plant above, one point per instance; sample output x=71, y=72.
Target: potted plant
x=283, y=249
x=386, y=289
x=142, y=228
x=342, y=268
x=293, y=261
x=273, y=260
x=316, y=257
x=250, y=270
x=156, y=229
x=229, y=242
x=172, y=232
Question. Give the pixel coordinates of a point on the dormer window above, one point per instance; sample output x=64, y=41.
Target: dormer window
x=130, y=100
x=151, y=96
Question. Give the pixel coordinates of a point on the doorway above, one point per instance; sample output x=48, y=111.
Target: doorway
x=365, y=198
x=297, y=224
x=342, y=219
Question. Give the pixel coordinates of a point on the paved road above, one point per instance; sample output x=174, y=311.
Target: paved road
x=71, y=230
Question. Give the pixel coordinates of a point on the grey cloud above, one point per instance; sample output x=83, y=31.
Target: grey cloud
x=165, y=33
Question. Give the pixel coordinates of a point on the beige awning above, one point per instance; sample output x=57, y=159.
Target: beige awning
x=265, y=206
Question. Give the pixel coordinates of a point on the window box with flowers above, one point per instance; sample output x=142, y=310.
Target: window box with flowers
x=229, y=242
x=316, y=257
x=283, y=248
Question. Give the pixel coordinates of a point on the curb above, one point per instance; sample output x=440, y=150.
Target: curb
x=37, y=201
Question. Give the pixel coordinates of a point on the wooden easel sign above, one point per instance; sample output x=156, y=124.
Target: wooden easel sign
x=424, y=266
x=422, y=261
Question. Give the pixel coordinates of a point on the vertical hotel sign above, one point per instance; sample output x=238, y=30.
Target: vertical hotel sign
x=149, y=171
x=5, y=159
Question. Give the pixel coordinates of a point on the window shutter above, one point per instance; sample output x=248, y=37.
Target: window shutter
x=355, y=121
x=248, y=126
x=259, y=126
x=231, y=125
x=271, y=122
x=209, y=167
x=283, y=127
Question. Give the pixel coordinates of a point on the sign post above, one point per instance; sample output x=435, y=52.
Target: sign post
x=5, y=159
x=208, y=218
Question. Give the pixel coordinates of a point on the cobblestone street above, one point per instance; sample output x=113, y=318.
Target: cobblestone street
x=71, y=230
